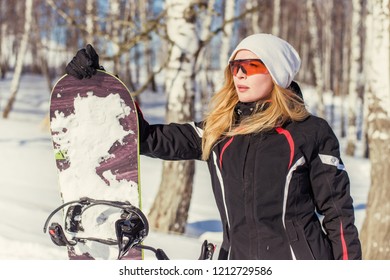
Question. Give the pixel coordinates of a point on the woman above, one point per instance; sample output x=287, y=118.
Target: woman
x=274, y=167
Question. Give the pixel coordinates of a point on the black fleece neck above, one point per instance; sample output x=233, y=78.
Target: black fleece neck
x=245, y=108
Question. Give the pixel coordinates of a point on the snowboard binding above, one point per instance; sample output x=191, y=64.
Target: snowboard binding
x=130, y=229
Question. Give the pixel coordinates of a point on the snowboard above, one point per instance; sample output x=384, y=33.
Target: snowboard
x=94, y=129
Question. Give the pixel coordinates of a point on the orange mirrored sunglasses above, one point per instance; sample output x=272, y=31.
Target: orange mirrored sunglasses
x=248, y=66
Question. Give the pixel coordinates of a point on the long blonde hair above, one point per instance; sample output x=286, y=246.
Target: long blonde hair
x=220, y=122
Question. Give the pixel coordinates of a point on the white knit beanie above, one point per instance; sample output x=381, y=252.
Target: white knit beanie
x=280, y=58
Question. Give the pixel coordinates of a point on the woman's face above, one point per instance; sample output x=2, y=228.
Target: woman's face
x=253, y=87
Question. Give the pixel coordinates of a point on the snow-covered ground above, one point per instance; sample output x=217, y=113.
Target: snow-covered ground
x=29, y=190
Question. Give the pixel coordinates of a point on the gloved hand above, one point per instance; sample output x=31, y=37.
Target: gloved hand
x=84, y=64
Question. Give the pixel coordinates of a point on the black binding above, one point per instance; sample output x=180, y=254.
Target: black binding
x=131, y=229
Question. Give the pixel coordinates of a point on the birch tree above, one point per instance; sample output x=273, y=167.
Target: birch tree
x=253, y=22
x=147, y=49
x=169, y=211
x=204, y=59
x=276, y=18
x=354, y=77
x=376, y=227
x=114, y=30
x=227, y=33
x=327, y=8
x=89, y=21
x=304, y=75
x=316, y=56
x=3, y=28
x=340, y=59
x=20, y=59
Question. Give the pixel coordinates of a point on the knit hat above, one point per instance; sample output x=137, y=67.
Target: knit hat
x=280, y=58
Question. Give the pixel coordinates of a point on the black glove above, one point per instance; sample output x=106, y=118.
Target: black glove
x=84, y=64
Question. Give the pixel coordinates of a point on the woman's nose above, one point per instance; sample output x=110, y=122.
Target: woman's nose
x=241, y=73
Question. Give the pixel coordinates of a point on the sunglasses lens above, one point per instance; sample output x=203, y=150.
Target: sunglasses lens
x=248, y=67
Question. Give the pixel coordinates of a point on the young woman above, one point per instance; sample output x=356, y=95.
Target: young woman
x=279, y=183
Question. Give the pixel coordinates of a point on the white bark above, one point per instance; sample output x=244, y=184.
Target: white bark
x=204, y=61
x=169, y=211
x=374, y=235
x=304, y=51
x=378, y=68
x=147, y=46
x=344, y=60
x=115, y=33
x=316, y=56
x=354, y=77
x=327, y=42
x=3, y=28
x=276, y=18
x=254, y=24
x=21, y=55
x=178, y=82
x=89, y=22
x=227, y=33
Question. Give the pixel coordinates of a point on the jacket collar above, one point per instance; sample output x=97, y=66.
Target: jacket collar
x=244, y=109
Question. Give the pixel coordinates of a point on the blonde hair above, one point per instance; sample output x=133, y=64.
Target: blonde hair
x=221, y=120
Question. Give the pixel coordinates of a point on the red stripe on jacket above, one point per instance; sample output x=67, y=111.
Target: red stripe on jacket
x=343, y=243
x=290, y=141
x=223, y=150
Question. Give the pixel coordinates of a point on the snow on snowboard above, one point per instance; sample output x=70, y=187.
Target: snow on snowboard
x=94, y=129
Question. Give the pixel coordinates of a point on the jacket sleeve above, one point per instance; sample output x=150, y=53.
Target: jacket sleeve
x=331, y=190
x=170, y=142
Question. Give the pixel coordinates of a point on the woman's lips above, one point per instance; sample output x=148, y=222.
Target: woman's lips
x=242, y=88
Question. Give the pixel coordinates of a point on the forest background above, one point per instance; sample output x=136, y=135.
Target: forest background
x=344, y=47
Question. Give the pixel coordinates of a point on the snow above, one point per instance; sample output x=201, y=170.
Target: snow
x=86, y=155
x=29, y=183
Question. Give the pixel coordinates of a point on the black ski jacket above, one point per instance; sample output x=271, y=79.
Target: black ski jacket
x=272, y=189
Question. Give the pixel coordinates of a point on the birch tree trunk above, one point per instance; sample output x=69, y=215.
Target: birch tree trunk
x=327, y=8
x=20, y=59
x=204, y=59
x=316, y=56
x=376, y=227
x=354, y=77
x=345, y=47
x=253, y=23
x=304, y=51
x=3, y=28
x=114, y=28
x=144, y=7
x=276, y=18
x=89, y=21
x=169, y=211
x=226, y=34
x=128, y=35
